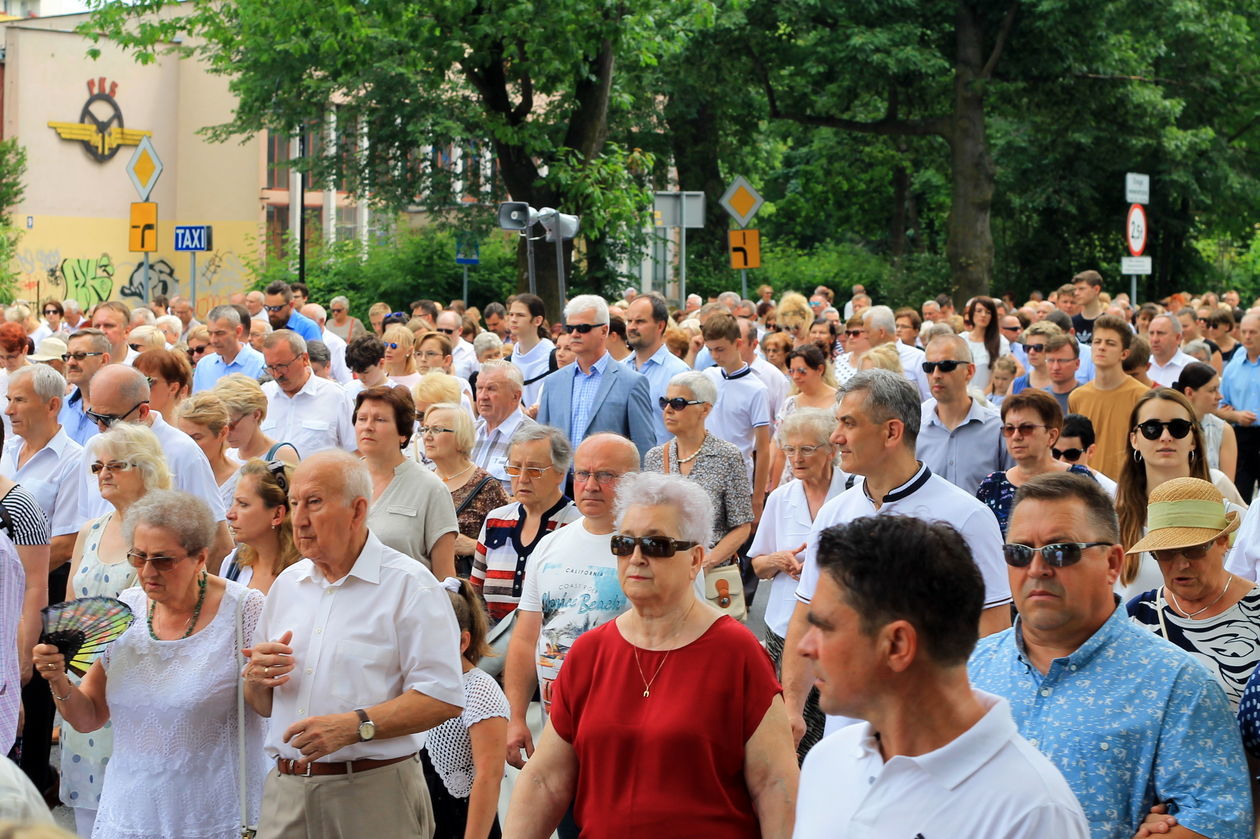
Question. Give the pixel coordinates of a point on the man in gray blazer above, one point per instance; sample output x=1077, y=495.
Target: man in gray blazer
x=596, y=394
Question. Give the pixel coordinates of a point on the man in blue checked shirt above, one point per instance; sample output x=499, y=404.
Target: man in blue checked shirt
x=1131, y=721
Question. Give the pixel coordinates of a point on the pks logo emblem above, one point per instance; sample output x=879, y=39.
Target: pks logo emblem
x=100, y=126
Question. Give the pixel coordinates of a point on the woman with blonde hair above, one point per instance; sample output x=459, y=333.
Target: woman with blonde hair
x=883, y=357
x=204, y=417
x=198, y=341
x=259, y=520
x=247, y=407
x=146, y=337
x=795, y=317
x=376, y=314
x=128, y=463
x=400, y=364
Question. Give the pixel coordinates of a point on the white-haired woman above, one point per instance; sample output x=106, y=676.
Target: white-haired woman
x=146, y=336
x=170, y=682
x=129, y=464
x=447, y=435
x=667, y=720
x=341, y=324
x=804, y=437
x=713, y=463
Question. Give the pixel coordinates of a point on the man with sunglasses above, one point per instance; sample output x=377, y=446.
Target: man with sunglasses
x=278, y=303
x=1131, y=721
x=231, y=354
x=597, y=393
x=1110, y=397
x=960, y=436
x=1076, y=446
x=879, y=417
x=463, y=356
x=89, y=351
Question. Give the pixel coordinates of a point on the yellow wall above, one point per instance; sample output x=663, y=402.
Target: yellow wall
x=75, y=214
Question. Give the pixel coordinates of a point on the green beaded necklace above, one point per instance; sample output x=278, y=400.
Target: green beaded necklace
x=201, y=599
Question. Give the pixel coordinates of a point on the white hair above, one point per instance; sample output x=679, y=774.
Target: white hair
x=142, y=314
x=47, y=384
x=588, y=303
x=509, y=370
x=700, y=386
x=654, y=489
x=880, y=317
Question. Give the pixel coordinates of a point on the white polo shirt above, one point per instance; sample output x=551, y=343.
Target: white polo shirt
x=988, y=782
x=533, y=364
x=743, y=406
x=384, y=628
x=316, y=419
x=777, y=384
x=912, y=359
x=49, y=475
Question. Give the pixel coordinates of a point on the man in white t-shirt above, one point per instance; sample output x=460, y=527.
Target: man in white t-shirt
x=742, y=413
x=530, y=351
x=772, y=377
x=571, y=584
x=935, y=756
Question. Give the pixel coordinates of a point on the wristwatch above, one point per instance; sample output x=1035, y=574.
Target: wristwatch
x=367, y=728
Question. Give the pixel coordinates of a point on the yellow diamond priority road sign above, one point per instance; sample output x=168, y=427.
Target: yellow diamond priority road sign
x=144, y=168
x=741, y=201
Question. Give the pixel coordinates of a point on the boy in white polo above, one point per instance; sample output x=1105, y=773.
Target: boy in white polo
x=892, y=624
x=742, y=414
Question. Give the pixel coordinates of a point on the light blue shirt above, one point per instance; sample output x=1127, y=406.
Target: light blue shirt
x=1131, y=721
x=659, y=369
x=1240, y=383
x=212, y=368
x=304, y=326
x=968, y=454
x=74, y=421
x=585, y=386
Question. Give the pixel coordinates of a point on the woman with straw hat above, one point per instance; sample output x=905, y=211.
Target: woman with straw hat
x=1210, y=613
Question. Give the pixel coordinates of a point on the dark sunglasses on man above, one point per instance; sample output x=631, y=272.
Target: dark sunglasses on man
x=1056, y=555
x=1067, y=455
x=949, y=365
x=581, y=328
x=107, y=420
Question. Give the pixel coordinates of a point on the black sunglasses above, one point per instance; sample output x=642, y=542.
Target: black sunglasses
x=1070, y=455
x=446, y=331
x=1034, y=347
x=277, y=308
x=51, y=312
x=583, y=328
x=1059, y=554
x=138, y=347
x=677, y=403
x=657, y=547
x=854, y=333
x=1153, y=429
x=107, y=420
x=947, y=366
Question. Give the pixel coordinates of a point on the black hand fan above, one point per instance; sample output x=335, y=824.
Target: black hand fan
x=81, y=629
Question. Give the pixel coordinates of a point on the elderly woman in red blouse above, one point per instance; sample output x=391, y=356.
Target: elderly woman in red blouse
x=668, y=721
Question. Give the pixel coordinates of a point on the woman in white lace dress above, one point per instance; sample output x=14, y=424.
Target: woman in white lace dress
x=169, y=685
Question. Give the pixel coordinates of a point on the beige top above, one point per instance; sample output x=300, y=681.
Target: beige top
x=413, y=512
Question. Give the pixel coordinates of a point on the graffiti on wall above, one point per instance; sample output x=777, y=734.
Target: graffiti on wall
x=161, y=280
x=89, y=281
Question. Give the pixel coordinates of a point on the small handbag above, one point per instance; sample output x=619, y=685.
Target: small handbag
x=723, y=585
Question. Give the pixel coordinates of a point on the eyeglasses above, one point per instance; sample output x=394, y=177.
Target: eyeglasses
x=276, y=468
x=106, y=420
x=428, y=354
x=530, y=471
x=1034, y=347
x=1058, y=555
x=947, y=366
x=677, y=403
x=446, y=331
x=282, y=368
x=797, y=371
x=582, y=328
x=112, y=466
x=1153, y=429
x=161, y=564
x=78, y=356
x=197, y=350
x=276, y=308
x=1024, y=429
x=581, y=476
x=855, y=333
x=1193, y=552
x=1070, y=455
x=792, y=451
x=426, y=430
x=656, y=547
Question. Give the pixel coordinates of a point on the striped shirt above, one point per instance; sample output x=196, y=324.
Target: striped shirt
x=12, y=586
x=499, y=561
x=29, y=524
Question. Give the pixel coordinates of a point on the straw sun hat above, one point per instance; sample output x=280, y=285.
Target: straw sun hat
x=1185, y=512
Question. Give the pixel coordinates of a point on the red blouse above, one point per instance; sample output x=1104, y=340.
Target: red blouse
x=670, y=764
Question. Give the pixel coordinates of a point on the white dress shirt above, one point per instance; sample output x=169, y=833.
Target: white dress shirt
x=316, y=419
x=190, y=472
x=777, y=384
x=49, y=475
x=464, y=359
x=337, y=357
x=385, y=628
x=1165, y=374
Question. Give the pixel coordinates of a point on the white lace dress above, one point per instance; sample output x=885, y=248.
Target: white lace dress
x=173, y=705
x=450, y=746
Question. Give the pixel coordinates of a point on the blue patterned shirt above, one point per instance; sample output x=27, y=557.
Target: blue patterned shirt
x=1130, y=721
x=585, y=386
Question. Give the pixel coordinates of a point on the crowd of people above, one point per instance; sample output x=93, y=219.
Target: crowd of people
x=1009, y=557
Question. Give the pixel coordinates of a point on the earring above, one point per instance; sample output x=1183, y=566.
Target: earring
x=1137, y=456
x=1192, y=453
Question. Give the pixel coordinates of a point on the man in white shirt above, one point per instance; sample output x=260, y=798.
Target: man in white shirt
x=571, y=585
x=1167, y=357
x=772, y=377
x=934, y=756
x=335, y=343
x=499, y=416
x=647, y=318
x=356, y=654
x=530, y=352
x=121, y=394
x=741, y=415
x=231, y=354
x=879, y=418
x=255, y=303
x=41, y=456
x=112, y=317
x=881, y=328
x=463, y=356
x=302, y=409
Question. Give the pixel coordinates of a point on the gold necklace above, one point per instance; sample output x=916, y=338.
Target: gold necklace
x=647, y=684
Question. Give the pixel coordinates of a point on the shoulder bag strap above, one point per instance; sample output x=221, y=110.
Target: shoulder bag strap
x=468, y=499
x=665, y=454
x=242, y=769
x=271, y=452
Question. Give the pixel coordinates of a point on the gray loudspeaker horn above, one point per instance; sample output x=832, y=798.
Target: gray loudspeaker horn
x=557, y=223
x=517, y=215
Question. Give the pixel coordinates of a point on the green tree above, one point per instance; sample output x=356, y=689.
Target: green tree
x=12, y=188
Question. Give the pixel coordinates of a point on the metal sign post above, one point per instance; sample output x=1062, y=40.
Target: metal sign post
x=1137, y=191
x=681, y=210
x=193, y=238
x=143, y=169
x=742, y=202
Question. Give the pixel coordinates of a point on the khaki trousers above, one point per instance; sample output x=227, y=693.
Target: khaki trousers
x=391, y=802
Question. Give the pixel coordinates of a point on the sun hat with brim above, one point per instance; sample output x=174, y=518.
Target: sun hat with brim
x=49, y=349
x=1185, y=512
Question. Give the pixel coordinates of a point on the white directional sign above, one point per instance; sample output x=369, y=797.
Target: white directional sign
x=1135, y=265
x=1135, y=229
x=1137, y=188
x=741, y=201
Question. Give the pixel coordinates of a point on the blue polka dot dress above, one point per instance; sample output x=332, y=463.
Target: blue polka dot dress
x=84, y=756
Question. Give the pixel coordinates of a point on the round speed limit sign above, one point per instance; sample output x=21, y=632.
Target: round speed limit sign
x=1135, y=229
